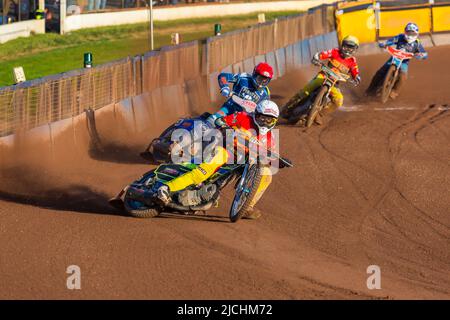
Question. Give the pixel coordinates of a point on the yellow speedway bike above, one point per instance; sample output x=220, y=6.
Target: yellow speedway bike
x=305, y=112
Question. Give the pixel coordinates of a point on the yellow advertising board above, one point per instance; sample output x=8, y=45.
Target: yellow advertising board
x=441, y=18
x=358, y=20
x=393, y=22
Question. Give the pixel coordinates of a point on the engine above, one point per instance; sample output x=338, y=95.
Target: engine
x=198, y=196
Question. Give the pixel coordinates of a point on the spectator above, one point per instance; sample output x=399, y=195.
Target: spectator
x=100, y=4
x=24, y=10
x=130, y=3
x=13, y=10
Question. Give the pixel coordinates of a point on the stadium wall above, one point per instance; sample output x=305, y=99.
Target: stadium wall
x=21, y=29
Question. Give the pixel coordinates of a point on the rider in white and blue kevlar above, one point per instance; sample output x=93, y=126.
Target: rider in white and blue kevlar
x=407, y=41
x=251, y=87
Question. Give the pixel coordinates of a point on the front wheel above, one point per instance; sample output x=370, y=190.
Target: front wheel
x=388, y=83
x=316, y=106
x=138, y=209
x=245, y=192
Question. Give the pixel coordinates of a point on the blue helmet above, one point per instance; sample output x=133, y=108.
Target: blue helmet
x=411, y=32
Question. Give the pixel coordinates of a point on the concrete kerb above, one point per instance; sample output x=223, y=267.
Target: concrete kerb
x=297, y=50
x=213, y=86
x=141, y=104
x=124, y=108
x=441, y=39
x=306, y=52
x=270, y=59
x=427, y=41
x=290, y=63
x=238, y=67
x=280, y=57
x=259, y=59
x=249, y=65
x=369, y=49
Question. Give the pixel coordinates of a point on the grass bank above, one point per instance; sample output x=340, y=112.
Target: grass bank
x=47, y=54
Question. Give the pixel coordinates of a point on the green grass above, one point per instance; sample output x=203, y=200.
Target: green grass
x=46, y=54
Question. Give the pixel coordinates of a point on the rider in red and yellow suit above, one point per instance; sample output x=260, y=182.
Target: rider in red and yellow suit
x=261, y=122
x=340, y=59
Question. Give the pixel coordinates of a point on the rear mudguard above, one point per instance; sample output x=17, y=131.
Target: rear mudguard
x=159, y=149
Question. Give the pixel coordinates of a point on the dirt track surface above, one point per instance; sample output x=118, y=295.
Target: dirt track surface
x=370, y=187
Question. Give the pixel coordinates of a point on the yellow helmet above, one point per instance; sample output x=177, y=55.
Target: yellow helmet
x=349, y=46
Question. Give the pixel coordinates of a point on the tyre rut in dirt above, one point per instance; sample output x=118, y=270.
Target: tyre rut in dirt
x=138, y=209
x=242, y=200
x=316, y=107
x=388, y=84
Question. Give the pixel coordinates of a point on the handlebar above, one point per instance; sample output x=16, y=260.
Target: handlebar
x=249, y=138
x=340, y=76
x=400, y=54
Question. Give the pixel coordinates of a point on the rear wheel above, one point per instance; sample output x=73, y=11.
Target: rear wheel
x=138, y=209
x=388, y=84
x=245, y=194
x=285, y=112
x=299, y=112
x=316, y=106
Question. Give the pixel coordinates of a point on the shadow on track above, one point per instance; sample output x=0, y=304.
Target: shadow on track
x=197, y=217
x=117, y=153
x=75, y=198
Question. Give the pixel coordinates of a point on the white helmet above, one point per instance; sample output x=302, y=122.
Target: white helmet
x=266, y=116
x=411, y=32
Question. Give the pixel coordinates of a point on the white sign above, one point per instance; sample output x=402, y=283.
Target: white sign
x=19, y=75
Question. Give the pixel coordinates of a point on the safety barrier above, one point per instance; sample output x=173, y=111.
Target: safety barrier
x=374, y=20
x=37, y=102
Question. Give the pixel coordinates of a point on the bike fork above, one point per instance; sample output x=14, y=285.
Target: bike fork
x=244, y=175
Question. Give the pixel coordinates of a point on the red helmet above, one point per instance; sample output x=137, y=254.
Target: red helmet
x=262, y=74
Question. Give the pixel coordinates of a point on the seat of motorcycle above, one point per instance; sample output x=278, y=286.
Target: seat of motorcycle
x=205, y=115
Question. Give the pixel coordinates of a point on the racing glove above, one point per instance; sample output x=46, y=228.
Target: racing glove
x=316, y=59
x=220, y=123
x=225, y=91
x=211, y=121
x=421, y=55
x=357, y=80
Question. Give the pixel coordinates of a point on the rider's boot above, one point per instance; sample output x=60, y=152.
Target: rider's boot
x=402, y=76
x=253, y=214
x=163, y=194
x=292, y=103
x=319, y=119
x=393, y=95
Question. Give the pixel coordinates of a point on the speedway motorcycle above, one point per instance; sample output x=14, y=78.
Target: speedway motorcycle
x=139, y=199
x=160, y=149
x=391, y=77
x=307, y=110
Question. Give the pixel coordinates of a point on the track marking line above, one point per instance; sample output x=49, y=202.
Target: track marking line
x=355, y=108
x=395, y=108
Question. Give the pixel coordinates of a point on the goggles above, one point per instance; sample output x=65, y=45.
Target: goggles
x=265, y=121
x=261, y=80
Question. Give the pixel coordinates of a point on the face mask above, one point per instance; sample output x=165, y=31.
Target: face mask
x=411, y=37
x=262, y=81
x=348, y=51
x=265, y=123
